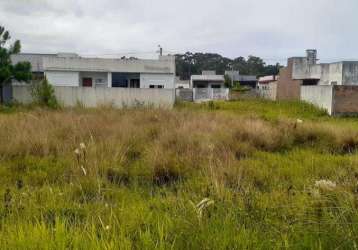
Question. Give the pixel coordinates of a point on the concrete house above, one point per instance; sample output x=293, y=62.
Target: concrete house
x=102, y=80
x=209, y=86
x=67, y=69
x=331, y=86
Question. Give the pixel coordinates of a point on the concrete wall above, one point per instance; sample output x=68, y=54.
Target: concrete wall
x=268, y=91
x=94, y=97
x=167, y=80
x=345, y=100
x=350, y=73
x=320, y=96
x=184, y=94
x=62, y=78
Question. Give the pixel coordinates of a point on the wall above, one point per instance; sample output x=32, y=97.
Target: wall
x=184, y=94
x=61, y=78
x=320, y=96
x=350, y=73
x=288, y=88
x=345, y=100
x=94, y=97
x=331, y=74
x=268, y=91
x=167, y=80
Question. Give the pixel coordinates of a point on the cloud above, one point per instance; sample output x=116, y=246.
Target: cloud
x=273, y=29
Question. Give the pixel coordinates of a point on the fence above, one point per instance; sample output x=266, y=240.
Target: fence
x=94, y=97
x=210, y=94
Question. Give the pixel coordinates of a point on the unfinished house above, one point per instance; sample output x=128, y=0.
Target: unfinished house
x=209, y=86
x=331, y=86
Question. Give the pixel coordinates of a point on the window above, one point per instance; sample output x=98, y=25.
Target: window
x=99, y=81
x=125, y=80
x=216, y=86
x=156, y=86
x=87, y=82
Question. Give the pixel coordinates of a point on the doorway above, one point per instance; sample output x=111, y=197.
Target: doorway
x=87, y=82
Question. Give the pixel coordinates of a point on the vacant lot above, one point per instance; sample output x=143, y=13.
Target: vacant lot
x=236, y=175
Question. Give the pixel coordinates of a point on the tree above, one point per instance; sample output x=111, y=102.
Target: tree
x=194, y=63
x=8, y=72
x=44, y=94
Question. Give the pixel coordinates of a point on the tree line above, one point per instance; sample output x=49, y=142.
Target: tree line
x=194, y=63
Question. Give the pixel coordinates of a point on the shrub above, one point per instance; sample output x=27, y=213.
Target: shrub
x=44, y=94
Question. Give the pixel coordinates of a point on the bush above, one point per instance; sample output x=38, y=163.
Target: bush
x=44, y=94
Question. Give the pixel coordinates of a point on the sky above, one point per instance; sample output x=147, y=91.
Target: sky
x=270, y=29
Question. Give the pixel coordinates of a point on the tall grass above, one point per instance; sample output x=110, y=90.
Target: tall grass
x=138, y=177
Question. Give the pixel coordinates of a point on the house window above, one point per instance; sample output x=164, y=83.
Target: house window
x=216, y=86
x=125, y=80
x=156, y=86
x=99, y=81
x=87, y=82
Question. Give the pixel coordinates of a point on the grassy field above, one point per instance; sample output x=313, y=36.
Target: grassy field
x=237, y=175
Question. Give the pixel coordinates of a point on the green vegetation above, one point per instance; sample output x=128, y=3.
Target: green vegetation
x=194, y=63
x=44, y=94
x=223, y=175
x=8, y=71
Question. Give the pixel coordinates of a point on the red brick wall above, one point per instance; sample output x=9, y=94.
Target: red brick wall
x=287, y=88
x=345, y=100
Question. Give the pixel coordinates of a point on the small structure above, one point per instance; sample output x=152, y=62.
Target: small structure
x=267, y=87
x=209, y=86
x=244, y=80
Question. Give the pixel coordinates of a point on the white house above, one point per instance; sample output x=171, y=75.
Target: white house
x=68, y=69
x=101, y=81
x=208, y=86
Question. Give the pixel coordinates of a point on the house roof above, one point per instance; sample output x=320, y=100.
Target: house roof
x=73, y=62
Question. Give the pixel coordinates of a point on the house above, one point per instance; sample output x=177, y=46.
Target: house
x=208, y=79
x=209, y=86
x=69, y=69
x=102, y=81
x=244, y=80
x=332, y=86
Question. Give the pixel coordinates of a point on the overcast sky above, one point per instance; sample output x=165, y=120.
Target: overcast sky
x=271, y=29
